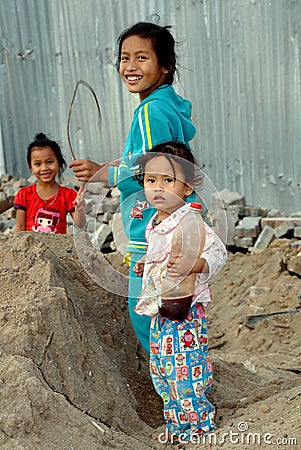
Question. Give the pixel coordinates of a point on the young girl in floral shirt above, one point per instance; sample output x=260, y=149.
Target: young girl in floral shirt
x=179, y=362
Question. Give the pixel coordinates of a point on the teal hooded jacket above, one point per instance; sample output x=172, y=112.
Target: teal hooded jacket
x=163, y=116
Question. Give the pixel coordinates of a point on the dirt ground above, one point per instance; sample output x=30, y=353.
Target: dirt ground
x=72, y=375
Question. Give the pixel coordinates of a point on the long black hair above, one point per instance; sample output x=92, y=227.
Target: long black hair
x=162, y=41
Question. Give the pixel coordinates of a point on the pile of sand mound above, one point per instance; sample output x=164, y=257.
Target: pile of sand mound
x=72, y=375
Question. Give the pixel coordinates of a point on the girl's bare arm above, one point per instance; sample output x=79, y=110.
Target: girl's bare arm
x=21, y=220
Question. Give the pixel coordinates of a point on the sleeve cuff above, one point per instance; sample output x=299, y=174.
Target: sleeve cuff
x=112, y=175
x=17, y=206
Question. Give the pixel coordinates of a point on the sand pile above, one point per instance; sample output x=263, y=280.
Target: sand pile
x=72, y=375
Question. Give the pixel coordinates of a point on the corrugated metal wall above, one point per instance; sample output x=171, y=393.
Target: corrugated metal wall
x=239, y=64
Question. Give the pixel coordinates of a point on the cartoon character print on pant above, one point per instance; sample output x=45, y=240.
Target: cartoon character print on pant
x=182, y=372
x=46, y=220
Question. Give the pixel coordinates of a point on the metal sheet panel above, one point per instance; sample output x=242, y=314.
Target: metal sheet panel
x=239, y=62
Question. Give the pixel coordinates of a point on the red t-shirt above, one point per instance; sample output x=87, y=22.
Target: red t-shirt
x=45, y=216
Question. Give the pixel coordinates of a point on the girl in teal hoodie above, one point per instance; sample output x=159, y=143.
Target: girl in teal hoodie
x=147, y=64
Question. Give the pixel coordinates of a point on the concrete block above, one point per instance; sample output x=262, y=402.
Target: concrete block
x=265, y=238
x=94, y=199
x=218, y=220
x=294, y=265
x=275, y=213
x=283, y=230
x=107, y=217
x=100, y=235
x=297, y=232
x=296, y=244
x=239, y=210
x=119, y=236
x=5, y=178
x=69, y=179
x=9, y=214
x=115, y=192
x=244, y=242
x=88, y=206
x=97, y=209
x=274, y=222
x=91, y=226
x=229, y=198
x=110, y=205
x=8, y=224
x=4, y=202
x=254, y=211
x=10, y=193
x=256, y=291
x=232, y=220
x=248, y=227
x=17, y=184
x=96, y=188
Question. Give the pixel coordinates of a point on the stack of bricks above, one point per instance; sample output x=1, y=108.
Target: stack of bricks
x=256, y=227
x=248, y=227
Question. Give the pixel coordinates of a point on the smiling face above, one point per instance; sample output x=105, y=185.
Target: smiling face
x=139, y=67
x=44, y=164
x=165, y=185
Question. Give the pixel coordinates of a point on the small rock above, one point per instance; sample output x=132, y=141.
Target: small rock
x=265, y=409
x=294, y=265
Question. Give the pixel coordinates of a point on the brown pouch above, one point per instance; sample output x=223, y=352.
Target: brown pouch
x=175, y=308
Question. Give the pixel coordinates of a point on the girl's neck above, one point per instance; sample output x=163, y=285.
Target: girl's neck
x=48, y=185
x=162, y=214
x=46, y=190
x=160, y=217
x=142, y=97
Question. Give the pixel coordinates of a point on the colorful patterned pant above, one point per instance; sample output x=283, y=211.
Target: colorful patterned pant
x=182, y=372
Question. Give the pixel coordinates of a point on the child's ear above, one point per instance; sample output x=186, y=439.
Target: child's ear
x=188, y=190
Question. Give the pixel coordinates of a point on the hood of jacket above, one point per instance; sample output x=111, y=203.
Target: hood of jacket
x=172, y=103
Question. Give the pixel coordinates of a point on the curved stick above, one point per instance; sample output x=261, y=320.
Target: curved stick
x=87, y=85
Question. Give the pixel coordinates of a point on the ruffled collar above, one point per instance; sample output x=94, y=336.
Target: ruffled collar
x=170, y=222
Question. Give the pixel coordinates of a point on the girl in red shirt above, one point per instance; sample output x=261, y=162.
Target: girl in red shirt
x=44, y=205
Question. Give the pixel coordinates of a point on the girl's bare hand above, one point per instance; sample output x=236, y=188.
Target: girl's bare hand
x=184, y=265
x=138, y=268
x=84, y=169
x=180, y=265
x=79, y=202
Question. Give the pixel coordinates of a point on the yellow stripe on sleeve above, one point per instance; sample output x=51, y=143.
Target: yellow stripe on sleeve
x=147, y=126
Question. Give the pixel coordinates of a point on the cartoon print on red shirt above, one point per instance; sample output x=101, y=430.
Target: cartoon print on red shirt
x=46, y=220
x=136, y=211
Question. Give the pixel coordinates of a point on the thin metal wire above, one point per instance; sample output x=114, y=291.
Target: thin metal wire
x=87, y=85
